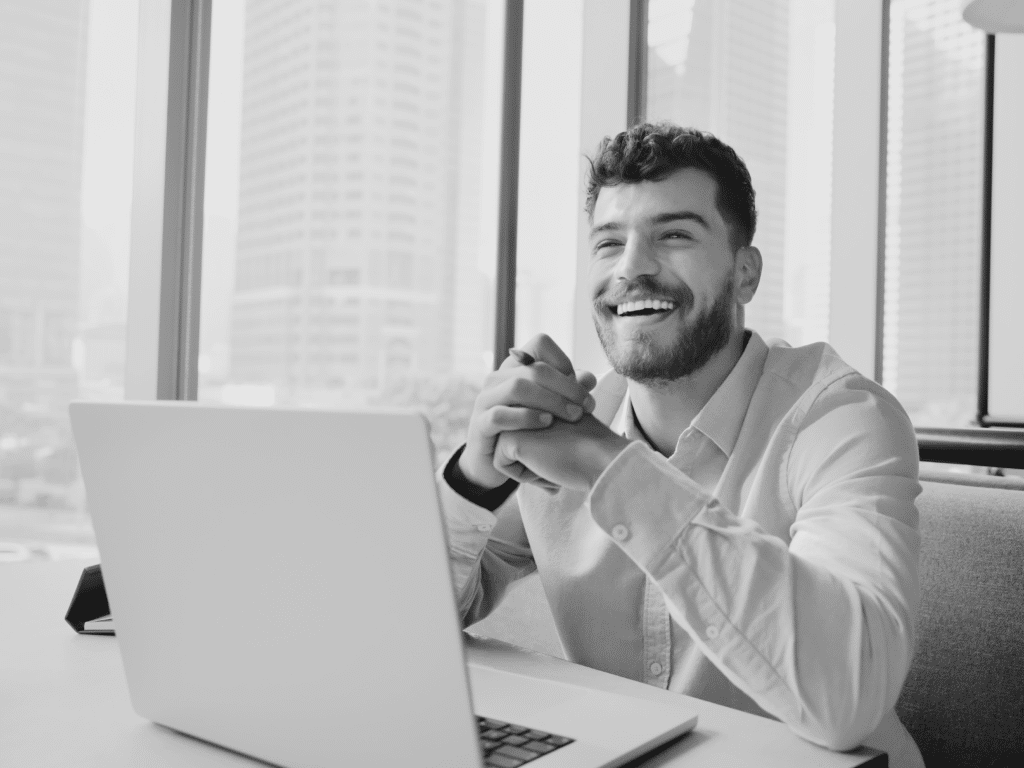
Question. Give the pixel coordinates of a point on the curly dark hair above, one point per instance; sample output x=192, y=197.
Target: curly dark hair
x=651, y=151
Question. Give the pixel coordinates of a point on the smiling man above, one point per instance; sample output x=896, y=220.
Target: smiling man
x=718, y=516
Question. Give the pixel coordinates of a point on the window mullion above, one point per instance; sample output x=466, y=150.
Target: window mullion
x=162, y=350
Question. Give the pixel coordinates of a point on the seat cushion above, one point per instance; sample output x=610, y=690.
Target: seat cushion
x=964, y=697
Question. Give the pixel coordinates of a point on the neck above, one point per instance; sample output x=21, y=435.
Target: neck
x=664, y=411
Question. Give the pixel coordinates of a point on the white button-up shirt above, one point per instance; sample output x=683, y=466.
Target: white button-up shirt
x=769, y=564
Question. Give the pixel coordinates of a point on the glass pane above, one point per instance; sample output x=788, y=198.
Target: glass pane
x=759, y=75
x=933, y=216
x=67, y=78
x=351, y=200
x=549, y=160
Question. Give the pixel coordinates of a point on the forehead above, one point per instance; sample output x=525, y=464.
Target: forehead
x=688, y=189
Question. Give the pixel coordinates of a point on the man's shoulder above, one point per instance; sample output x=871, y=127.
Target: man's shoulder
x=822, y=381
x=814, y=369
x=799, y=369
x=805, y=366
x=801, y=376
x=841, y=426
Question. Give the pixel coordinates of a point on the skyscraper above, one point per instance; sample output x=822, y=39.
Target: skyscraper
x=42, y=96
x=346, y=234
x=934, y=194
x=723, y=66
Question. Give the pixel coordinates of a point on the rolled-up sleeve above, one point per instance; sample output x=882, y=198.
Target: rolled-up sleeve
x=487, y=550
x=817, y=630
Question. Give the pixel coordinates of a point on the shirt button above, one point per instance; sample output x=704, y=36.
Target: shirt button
x=711, y=632
x=484, y=527
x=620, y=533
x=656, y=668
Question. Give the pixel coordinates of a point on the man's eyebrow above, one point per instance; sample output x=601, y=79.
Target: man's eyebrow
x=661, y=218
x=665, y=218
x=609, y=226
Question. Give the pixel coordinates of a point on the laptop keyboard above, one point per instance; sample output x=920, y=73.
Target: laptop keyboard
x=507, y=745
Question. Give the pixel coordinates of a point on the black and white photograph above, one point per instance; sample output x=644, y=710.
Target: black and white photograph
x=500, y=383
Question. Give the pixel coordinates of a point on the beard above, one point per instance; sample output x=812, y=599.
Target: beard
x=641, y=359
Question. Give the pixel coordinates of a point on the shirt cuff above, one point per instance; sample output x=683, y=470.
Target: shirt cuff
x=644, y=503
x=488, y=498
x=468, y=524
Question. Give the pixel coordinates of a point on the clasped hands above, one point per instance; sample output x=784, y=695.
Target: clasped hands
x=534, y=424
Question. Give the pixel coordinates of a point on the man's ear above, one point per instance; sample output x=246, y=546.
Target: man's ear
x=747, y=273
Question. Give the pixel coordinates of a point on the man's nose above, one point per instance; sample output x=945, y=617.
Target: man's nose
x=638, y=258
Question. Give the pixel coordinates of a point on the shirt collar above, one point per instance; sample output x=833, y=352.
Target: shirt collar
x=722, y=416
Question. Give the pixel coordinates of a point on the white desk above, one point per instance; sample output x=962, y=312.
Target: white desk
x=64, y=701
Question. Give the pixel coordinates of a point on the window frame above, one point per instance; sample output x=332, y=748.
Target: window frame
x=162, y=348
x=165, y=263
x=1004, y=194
x=508, y=182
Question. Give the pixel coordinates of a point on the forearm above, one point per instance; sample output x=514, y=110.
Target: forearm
x=488, y=498
x=822, y=648
x=486, y=584
x=823, y=653
x=485, y=558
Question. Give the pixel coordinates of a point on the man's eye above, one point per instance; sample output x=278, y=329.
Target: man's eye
x=677, y=234
x=605, y=245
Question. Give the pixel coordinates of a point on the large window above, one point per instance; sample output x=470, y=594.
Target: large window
x=933, y=211
x=351, y=202
x=67, y=79
x=351, y=205
x=759, y=75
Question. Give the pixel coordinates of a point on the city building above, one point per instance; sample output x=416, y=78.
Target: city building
x=347, y=273
x=933, y=228
x=42, y=58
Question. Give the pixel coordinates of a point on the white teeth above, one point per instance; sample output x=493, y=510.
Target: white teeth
x=635, y=306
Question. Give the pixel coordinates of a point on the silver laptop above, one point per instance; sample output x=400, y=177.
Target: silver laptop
x=280, y=585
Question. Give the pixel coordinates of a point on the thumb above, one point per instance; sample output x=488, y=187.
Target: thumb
x=543, y=347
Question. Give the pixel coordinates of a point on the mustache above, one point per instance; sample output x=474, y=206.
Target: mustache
x=644, y=287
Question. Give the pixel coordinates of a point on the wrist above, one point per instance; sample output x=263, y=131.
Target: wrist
x=600, y=453
x=486, y=481
x=489, y=499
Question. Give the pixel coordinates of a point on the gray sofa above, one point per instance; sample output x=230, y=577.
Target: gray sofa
x=964, y=697
x=963, y=700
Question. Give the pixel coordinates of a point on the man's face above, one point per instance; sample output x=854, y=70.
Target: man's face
x=663, y=276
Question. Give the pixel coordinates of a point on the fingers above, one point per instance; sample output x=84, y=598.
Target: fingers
x=544, y=349
x=521, y=474
x=503, y=418
x=506, y=463
x=544, y=375
x=586, y=379
x=550, y=359
x=543, y=390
